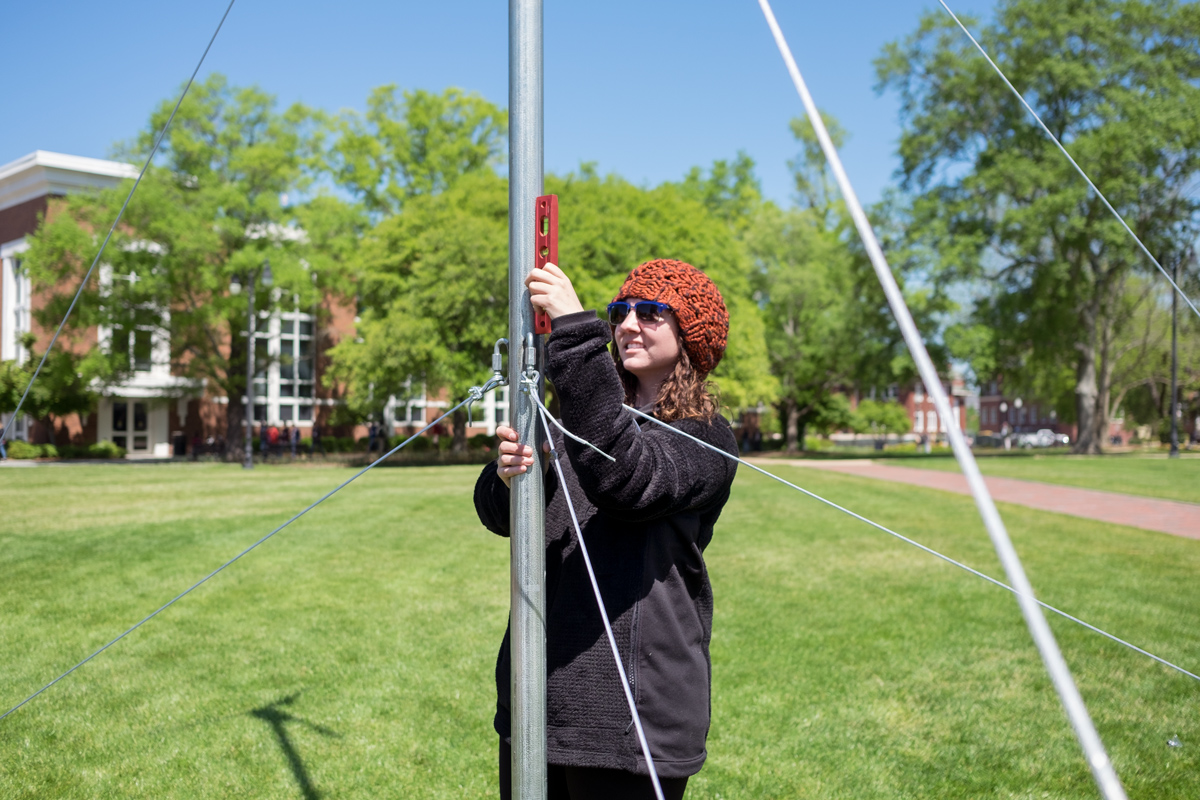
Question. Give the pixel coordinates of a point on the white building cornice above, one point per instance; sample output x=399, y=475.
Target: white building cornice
x=44, y=173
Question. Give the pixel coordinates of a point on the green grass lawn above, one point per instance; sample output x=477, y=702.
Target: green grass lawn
x=1151, y=476
x=351, y=656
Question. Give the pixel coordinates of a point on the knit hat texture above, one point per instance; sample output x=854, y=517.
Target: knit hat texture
x=696, y=301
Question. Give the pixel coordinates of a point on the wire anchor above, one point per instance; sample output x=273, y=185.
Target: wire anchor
x=476, y=393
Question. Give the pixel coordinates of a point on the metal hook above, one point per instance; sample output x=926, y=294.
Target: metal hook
x=477, y=392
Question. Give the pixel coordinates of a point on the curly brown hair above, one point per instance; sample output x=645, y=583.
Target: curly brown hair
x=685, y=394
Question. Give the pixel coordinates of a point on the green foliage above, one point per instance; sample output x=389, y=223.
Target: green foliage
x=730, y=192
x=419, y=145
x=434, y=291
x=105, y=449
x=880, y=417
x=66, y=385
x=23, y=450
x=481, y=441
x=1118, y=82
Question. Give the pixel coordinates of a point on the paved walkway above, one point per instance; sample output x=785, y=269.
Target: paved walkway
x=1165, y=516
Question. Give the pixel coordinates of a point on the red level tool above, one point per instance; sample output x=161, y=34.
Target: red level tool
x=545, y=247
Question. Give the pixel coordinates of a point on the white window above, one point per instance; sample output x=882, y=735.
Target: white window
x=285, y=367
x=918, y=422
x=15, y=291
x=143, y=343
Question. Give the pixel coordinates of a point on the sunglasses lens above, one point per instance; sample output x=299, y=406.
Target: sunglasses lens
x=648, y=312
x=617, y=313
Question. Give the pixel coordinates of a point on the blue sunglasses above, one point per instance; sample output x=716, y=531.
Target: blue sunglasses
x=648, y=311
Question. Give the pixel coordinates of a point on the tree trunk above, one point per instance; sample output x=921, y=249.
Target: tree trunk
x=790, y=415
x=50, y=430
x=459, y=445
x=236, y=389
x=235, y=432
x=1087, y=395
x=801, y=434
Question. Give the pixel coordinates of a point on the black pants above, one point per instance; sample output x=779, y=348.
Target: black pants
x=591, y=783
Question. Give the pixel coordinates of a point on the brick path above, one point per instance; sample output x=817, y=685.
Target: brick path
x=1165, y=516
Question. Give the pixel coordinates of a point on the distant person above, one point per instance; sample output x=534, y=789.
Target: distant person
x=264, y=439
x=273, y=439
x=3, y=452
x=317, y=442
x=295, y=439
x=372, y=432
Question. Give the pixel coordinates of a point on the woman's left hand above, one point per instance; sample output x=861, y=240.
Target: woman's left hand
x=550, y=290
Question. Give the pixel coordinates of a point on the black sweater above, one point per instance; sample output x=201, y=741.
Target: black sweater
x=646, y=520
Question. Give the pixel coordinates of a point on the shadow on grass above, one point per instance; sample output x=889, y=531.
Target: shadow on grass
x=275, y=716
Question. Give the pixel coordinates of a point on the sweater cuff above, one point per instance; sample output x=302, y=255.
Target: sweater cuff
x=579, y=317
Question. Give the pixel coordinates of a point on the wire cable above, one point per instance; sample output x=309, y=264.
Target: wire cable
x=544, y=413
x=1039, y=630
x=121, y=213
x=1074, y=164
x=916, y=544
x=197, y=584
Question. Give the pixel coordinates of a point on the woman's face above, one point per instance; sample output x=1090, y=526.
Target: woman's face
x=649, y=350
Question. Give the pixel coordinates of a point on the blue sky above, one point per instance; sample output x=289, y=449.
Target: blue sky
x=644, y=89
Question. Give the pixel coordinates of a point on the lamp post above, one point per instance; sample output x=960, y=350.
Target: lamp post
x=235, y=287
x=1006, y=428
x=1174, y=406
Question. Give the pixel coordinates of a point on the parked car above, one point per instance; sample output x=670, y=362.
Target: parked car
x=1043, y=438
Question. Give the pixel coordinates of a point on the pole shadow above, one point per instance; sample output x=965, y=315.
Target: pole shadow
x=275, y=716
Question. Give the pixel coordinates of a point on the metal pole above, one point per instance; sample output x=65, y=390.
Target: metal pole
x=1097, y=757
x=249, y=464
x=527, y=499
x=1174, y=365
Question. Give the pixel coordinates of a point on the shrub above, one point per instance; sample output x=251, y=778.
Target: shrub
x=105, y=449
x=481, y=441
x=338, y=444
x=422, y=444
x=23, y=450
x=49, y=451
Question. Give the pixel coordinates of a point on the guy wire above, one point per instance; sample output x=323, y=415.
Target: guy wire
x=203, y=580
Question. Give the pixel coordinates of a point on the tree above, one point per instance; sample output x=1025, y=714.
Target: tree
x=433, y=286
x=879, y=418
x=1117, y=82
x=418, y=145
x=65, y=386
x=211, y=207
x=828, y=326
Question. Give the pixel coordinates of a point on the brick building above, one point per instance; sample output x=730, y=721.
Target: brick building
x=157, y=412
x=923, y=415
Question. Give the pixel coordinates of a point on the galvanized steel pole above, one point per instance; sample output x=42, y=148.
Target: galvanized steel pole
x=527, y=499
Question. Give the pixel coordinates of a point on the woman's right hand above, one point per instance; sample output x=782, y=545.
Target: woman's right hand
x=515, y=458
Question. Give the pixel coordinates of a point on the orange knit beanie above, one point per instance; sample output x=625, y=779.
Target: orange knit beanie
x=696, y=301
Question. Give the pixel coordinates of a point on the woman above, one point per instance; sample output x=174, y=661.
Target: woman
x=646, y=520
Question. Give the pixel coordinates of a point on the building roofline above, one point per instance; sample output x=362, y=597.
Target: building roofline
x=43, y=173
